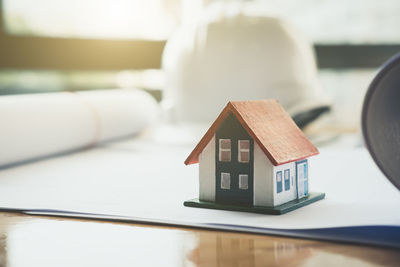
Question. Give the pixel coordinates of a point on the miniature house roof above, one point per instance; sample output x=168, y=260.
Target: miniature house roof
x=269, y=125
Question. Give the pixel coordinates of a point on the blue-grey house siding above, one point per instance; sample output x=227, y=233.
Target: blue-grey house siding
x=231, y=129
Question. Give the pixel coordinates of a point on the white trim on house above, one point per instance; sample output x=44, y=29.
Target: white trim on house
x=263, y=186
x=207, y=172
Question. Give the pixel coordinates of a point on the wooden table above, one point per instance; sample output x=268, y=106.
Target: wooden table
x=49, y=241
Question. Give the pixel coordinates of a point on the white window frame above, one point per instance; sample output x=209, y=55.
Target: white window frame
x=225, y=176
x=279, y=177
x=241, y=184
x=225, y=150
x=243, y=150
x=286, y=171
x=286, y=178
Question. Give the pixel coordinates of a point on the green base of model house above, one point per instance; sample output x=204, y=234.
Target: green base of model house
x=281, y=209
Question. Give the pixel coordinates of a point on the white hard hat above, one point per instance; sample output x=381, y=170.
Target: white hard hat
x=238, y=56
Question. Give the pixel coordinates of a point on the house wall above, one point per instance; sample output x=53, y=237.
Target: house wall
x=207, y=172
x=263, y=180
x=231, y=129
x=265, y=184
x=285, y=195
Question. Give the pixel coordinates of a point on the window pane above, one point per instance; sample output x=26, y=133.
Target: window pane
x=225, y=180
x=279, y=182
x=225, y=143
x=243, y=181
x=244, y=144
x=225, y=156
x=244, y=156
x=305, y=171
x=279, y=176
x=224, y=149
x=287, y=174
x=287, y=180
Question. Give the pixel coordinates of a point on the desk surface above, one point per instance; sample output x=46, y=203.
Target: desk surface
x=49, y=241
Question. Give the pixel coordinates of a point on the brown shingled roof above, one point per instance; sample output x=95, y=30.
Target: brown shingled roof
x=269, y=125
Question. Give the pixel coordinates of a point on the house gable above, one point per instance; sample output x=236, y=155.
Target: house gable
x=237, y=163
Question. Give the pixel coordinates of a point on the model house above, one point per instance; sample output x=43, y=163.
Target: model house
x=253, y=155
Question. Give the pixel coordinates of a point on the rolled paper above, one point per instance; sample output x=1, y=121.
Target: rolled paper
x=40, y=125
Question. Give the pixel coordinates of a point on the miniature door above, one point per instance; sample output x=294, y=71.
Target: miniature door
x=234, y=164
x=302, y=178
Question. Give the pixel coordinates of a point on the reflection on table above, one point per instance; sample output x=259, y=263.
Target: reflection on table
x=46, y=241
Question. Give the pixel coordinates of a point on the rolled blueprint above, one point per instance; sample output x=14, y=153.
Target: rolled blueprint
x=39, y=125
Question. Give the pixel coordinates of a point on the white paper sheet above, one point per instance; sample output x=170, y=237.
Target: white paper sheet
x=146, y=180
x=38, y=125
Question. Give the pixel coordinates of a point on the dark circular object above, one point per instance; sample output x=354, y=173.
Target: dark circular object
x=381, y=119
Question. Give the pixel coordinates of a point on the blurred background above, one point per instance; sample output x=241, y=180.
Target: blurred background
x=58, y=45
